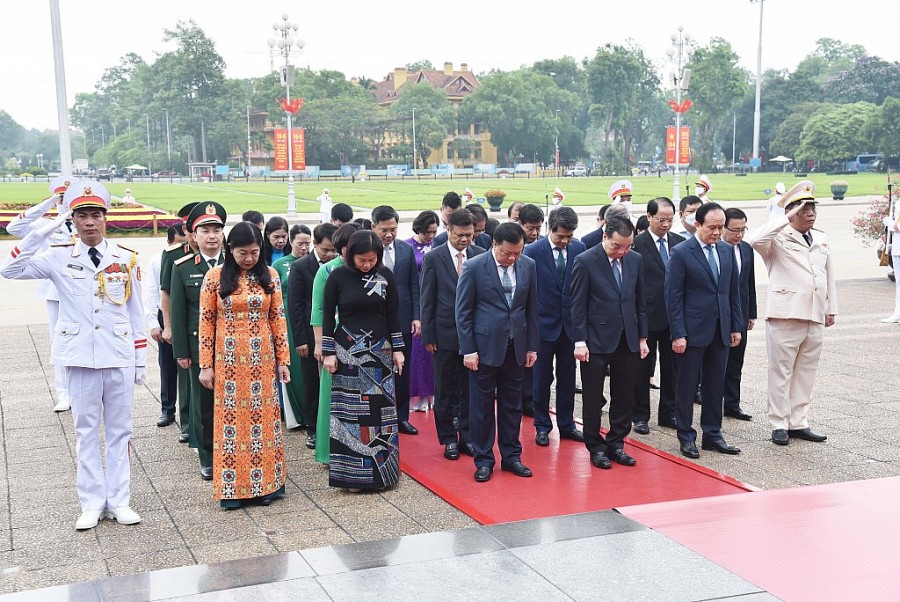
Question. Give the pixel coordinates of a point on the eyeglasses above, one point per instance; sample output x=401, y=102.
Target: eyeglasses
x=738, y=230
x=662, y=220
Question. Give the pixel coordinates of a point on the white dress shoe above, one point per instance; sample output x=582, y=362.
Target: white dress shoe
x=124, y=515
x=88, y=519
x=63, y=404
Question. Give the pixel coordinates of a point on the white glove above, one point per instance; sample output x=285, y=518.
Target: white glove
x=140, y=374
x=50, y=227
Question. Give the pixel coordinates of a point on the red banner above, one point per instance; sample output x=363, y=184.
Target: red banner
x=281, y=150
x=684, y=157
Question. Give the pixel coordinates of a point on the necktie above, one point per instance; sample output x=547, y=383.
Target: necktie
x=712, y=263
x=507, y=286
x=459, y=261
x=560, y=265
x=212, y=263
x=663, y=252
x=617, y=273
x=95, y=256
x=808, y=238
x=389, y=258
x=69, y=225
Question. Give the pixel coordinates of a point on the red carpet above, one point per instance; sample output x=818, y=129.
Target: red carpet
x=564, y=481
x=827, y=542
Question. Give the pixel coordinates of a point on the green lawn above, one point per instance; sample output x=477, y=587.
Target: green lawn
x=426, y=194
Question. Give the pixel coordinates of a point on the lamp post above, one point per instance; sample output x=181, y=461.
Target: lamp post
x=556, y=145
x=168, y=143
x=680, y=52
x=756, y=112
x=285, y=41
x=415, y=159
x=62, y=106
x=149, y=158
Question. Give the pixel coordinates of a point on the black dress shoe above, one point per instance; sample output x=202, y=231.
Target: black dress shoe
x=165, y=420
x=206, y=473
x=670, y=423
x=406, y=428
x=720, y=446
x=806, y=434
x=689, y=450
x=780, y=437
x=311, y=441
x=183, y=437
x=642, y=428
x=451, y=451
x=573, y=435
x=738, y=414
x=517, y=468
x=620, y=457
x=466, y=448
x=600, y=460
x=483, y=473
x=542, y=439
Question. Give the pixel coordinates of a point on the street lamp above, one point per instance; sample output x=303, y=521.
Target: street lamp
x=415, y=159
x=556, y=144
x=284, y=42
x=756, y=112
x=680, y=52
x=168, y=143
x=149, y=158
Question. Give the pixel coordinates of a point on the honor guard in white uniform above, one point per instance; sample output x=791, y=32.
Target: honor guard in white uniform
x=99, y=337
x=26, y=222
x=702, y=188
x=620, y=194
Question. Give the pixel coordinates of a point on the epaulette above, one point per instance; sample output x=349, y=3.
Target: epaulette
x=64, y=244
x=181, y=260
x=173, y=246
x=126, y=249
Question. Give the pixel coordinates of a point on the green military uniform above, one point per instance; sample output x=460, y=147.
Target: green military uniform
x=169, y=257
x=295, y=391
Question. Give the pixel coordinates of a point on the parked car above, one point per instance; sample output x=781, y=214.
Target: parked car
x=104, y=174
x=579, y=171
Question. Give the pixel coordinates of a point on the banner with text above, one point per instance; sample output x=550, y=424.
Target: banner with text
x=684, y=157
x=281, y=149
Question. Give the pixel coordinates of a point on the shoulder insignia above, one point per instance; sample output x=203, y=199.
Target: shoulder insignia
x=173, y=246
x=71, y=243
x=183, y=259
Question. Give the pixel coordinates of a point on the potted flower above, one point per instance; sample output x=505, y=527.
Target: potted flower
x=494, y=198
x=839, y=189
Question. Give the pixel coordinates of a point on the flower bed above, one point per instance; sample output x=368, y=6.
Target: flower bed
x=121, y=217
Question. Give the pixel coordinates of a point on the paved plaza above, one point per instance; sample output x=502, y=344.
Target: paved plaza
x=856, y=405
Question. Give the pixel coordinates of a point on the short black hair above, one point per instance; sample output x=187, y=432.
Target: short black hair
x=423, y=220
x=298, y=229
x=563, y=217
x=687, y=201
x=383, y=213
x=734, y=213
x=478, y=212
x=602, y=213
x=515, y=204
x=705, y=209
x=364, y=223
x=530, y=214
x=618, y=225
x=253, y=216
x=642, y=224
x=342, y=212
x=451, y=200
x=490, y=225
x=174, y=230
x=654, y=205
x=323, y=232
x=364, y=241
x=510, y=232
x=460, y=219
x=342, y=236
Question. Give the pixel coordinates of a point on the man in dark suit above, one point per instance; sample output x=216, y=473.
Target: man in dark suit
x=481, y=239
x=496, y=320
x=655, y=246
x=440, y=274
x=531, y=218
x=610, y=333
x=704, y=305
x=401, y=260
x=300, y=285
x=735, y=228
x=553, y=258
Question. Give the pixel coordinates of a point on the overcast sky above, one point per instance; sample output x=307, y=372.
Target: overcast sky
x=371, y=38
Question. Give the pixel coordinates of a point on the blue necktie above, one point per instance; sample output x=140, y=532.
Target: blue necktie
x=507, y=286
x=617, y=273
x=560, y=265
x=712, y=263
x=663, y=252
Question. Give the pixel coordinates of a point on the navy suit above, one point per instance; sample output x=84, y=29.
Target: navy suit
x=612, y=322
x=451, y=378
x=554, y=298
x=501, y=334
x=735, y=364
x=407, y=277
x=483, y=240
x=658, y=335
x=592, y=239
x=705, y=313
x=300, y=285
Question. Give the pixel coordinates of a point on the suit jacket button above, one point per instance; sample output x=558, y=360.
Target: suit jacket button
x=97, y=327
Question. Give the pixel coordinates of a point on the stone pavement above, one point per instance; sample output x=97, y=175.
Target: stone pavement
x=855, y=404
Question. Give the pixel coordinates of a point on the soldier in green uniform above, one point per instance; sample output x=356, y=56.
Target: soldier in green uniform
x=206, y=222
x=169, y=256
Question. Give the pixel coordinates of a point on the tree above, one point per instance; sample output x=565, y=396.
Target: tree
x=786, y=140
x=419, y=65
x=836, y=132
x=870, y=80
x=342, y=130
x=11, y=133
x=884, y=128
x=829, y=58
x=435, y=117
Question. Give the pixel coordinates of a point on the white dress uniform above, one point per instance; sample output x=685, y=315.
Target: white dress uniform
x=100, y=338
x=20, y=226
x=617, y=190
x=893, y=242
x=801, y=293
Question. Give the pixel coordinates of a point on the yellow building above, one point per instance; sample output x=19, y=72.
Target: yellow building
x=469, y=145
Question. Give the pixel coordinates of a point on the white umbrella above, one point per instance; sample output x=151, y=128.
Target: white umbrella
x=781, y=159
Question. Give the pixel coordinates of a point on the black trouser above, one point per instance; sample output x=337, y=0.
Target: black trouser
x=451, y=396
x=528, y=390
x=623, y=367
x=168, y=375
x=401, y=383
x=733, y=370
x=562, y=350
x=310, y=386
x=502, y=384
x=704, y=365
x=661, y=339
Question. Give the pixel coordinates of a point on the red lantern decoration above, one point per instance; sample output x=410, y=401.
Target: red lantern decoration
x=683, y=108
x=291, y=106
